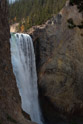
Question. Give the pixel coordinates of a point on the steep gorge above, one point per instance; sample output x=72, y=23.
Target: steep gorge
x=59, y=57
x=10, y=103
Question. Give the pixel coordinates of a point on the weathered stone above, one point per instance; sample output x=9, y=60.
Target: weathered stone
x=10, y=103
x=59, y=56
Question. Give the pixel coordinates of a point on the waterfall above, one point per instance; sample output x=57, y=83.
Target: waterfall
x=24, y=68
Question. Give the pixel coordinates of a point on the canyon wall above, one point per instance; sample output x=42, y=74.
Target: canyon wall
x=59, y=56
x=10, y=103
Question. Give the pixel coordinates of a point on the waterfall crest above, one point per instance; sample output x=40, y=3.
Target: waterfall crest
x=24, y=68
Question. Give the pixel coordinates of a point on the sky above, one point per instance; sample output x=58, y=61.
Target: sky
x=11, y=1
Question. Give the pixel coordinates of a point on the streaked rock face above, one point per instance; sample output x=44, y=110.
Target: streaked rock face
x=59, y=55
x=10, y=104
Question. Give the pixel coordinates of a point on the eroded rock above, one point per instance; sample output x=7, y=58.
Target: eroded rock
x=10, y=103
x=59, y=56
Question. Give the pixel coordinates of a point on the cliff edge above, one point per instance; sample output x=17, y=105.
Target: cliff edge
x=10, y=103
x=59, y=56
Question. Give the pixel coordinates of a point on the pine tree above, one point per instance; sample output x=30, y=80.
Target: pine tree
x=33, y=12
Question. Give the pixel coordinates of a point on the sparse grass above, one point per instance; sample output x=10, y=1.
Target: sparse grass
x=71, y=24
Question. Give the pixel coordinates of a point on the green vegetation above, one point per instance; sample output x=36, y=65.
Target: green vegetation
x=33, y=12
x=71, y=24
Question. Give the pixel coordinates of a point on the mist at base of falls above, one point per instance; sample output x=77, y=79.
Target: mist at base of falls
x=24, y=68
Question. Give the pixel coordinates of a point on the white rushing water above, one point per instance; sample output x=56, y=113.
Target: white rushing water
x=24, y=68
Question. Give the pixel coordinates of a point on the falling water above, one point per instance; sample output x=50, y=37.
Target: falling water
x=24, y=68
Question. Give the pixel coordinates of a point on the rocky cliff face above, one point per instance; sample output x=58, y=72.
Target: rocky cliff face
x=10, y=104
x=59, y=55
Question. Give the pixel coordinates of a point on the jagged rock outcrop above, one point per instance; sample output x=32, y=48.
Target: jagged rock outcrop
x=59, y=55
x=10, y=103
